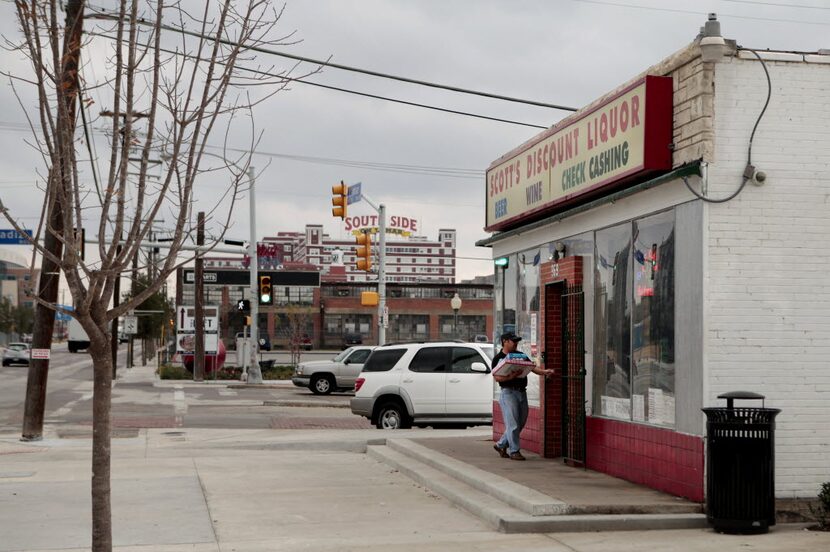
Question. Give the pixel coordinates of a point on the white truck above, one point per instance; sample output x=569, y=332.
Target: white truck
x=78, y=339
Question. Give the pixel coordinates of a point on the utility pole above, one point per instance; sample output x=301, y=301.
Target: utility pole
x=199, y=352
x=44, y=322
x=254, y=374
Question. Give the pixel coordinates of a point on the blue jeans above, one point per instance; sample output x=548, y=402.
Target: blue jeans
x=513, y=404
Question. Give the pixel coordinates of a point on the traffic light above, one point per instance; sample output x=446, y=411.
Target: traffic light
x=340, y=193
x=243, y=305
x=364, y=251
x=265, y=297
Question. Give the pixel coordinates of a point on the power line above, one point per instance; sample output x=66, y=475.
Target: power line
x=693, y=12
x=800, y=6
x=321, y=63
x=418, y=170
x=346, y=90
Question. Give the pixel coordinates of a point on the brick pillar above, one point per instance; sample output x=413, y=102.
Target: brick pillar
x=554, y=276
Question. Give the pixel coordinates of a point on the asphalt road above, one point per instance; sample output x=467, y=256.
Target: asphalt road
x=139, y=401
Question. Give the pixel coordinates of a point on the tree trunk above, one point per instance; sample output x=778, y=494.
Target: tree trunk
x=101, y=438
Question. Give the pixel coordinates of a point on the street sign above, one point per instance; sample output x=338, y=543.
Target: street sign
x=354, y=194
x=186, y=318
x=384, y=318
x=131, y=324
x=13, y=237
x=42, y=354
x=63, y=317
x=186, y=343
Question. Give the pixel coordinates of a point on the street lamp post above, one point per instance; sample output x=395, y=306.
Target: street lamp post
x=455, y=304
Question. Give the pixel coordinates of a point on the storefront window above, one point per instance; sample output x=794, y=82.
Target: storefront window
x=612, y=322
x=527, y=317
x=510, y=277
x=652, y=339
x=634, y=321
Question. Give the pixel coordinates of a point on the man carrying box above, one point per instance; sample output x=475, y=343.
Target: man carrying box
x=513, y=396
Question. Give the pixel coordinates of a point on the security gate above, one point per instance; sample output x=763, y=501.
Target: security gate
x=573, y=375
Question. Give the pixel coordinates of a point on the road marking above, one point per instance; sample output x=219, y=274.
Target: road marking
x=179, y=402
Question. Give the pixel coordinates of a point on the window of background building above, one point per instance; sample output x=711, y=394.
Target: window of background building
x=468, y=326
x=408, y=327
x=336, y=325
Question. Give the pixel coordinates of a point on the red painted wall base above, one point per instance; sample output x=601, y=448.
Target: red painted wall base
x=658, y=458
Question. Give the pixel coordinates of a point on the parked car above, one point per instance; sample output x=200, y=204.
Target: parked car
x=480, y=338
x=339, y=373
x=351, y=339
x=16, y=353
x=426, y=384
x=304, y=342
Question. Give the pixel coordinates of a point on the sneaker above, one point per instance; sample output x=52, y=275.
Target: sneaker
x=502, y=451
x=517, y=456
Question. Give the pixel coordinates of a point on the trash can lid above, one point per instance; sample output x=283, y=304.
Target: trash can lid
x=748, y=395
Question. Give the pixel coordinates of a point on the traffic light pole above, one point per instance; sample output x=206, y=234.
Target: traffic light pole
x=254, y=374
x=382, y=276
x=381, y=209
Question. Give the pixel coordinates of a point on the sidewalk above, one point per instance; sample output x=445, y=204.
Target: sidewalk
x=332, y=490
x=222, y=490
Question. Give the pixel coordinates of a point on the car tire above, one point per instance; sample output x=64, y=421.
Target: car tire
x=5, y=363
x=393, y=415
x=322, y=384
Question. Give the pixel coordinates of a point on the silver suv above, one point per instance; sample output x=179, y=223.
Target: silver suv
x=426, y=384
x=325, y=376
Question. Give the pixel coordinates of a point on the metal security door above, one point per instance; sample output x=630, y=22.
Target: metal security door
x=573, y=375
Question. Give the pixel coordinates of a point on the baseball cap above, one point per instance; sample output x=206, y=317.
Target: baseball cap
x=511, y=336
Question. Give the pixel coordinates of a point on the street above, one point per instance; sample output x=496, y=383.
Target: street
x=139, y=403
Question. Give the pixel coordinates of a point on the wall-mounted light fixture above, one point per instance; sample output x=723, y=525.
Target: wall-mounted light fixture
x=712, y=45
x=559, y=252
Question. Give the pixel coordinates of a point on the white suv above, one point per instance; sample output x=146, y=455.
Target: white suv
x=423, y=384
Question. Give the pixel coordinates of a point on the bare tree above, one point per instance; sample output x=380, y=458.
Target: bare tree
x=169, y=92
x=298, y=319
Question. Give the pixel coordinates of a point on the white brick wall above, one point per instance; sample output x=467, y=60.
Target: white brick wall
x=767, y=310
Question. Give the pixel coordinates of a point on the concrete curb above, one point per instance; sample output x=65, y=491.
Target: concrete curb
x=309, y=404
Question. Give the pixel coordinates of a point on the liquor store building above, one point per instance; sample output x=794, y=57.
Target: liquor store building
x=665, y=244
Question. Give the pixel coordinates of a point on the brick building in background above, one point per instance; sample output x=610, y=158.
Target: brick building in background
x=410, y=257
x=17, y=282
x=651, y=301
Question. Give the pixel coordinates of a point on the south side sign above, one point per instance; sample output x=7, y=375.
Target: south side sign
x=624, y=138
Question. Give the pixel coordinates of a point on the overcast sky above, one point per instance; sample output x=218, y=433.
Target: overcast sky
x=565, y=52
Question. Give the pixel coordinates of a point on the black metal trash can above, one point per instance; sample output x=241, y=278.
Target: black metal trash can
x=266, y=364
x=740, y=466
